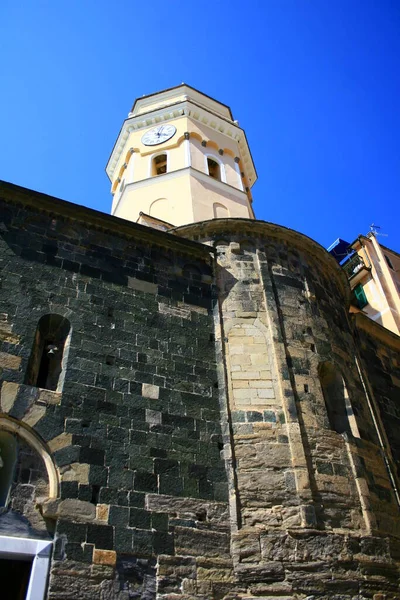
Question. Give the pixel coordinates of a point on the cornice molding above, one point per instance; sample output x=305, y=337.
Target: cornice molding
x=188, y=92
x=53, y=207
x=190, y=110
x=191, y=171
x=205, y=230
x=221, y=186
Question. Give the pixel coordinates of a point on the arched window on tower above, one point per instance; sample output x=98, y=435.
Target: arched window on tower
x=338, y=406
x=159, y=165
x=49, y=353
x=8, y=461
x=214, y=169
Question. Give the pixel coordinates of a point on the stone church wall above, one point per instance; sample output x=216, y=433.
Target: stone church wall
x=134, y=433
x=216, y=429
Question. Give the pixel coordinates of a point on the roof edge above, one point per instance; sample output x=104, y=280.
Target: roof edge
x=176, y=87
x=40, y=202
x=377, y=330
x=250, y=226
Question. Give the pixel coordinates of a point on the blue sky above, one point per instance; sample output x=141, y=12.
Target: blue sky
x=315, y=84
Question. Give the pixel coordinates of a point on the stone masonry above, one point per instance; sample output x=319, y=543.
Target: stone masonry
x=222, y=429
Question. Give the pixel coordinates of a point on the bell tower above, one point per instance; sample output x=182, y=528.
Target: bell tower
x=180, y=158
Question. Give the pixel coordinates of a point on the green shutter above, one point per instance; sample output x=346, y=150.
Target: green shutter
x=361, y=298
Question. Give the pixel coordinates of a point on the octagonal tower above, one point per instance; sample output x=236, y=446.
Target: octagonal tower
x=180, y=158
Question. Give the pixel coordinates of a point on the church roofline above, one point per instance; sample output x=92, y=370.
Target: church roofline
x=244, y=227
x=15, y=194
x=380, y=332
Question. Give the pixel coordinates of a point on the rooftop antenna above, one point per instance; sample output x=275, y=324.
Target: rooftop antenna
x=375, y=230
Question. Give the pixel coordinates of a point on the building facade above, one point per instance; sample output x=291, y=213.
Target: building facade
x=189, y=411
x=373, y=271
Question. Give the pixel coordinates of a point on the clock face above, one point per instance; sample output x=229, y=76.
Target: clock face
x=158, y=135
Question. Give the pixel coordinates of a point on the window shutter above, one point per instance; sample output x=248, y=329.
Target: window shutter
x=361, y=298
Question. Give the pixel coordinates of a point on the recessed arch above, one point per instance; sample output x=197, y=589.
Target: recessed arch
x=161, y=209
x=245, y=356
x=220, y=211
x=339, y=409
x=27, y=435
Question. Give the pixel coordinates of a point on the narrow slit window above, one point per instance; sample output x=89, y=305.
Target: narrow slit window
x=214, y=169
x=48, y=357
x=160, y=164
x=337, y=401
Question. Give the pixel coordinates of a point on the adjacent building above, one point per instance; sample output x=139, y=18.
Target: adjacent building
x=373, y=271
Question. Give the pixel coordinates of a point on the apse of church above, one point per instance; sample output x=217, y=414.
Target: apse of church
x=188, y=410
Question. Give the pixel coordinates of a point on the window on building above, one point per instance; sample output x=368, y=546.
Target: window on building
x=159, y=164
x=389, y=262
x=8, y=461
x=214, y=169
x=336, y=398
x=48, y=357
x=361, y=298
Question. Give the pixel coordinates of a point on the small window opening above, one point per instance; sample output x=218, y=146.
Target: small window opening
x=201, y=514
x=214, y=169
x=160, y=164
x=110, y=359
x=47, y=361
x=389, y=262
x=95, y=494
x=8, y=461
x=306, y=388
x=361, y=298
x=338, y=405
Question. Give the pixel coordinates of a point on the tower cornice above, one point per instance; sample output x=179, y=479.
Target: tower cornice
x=185, y=92
x=189, y=109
